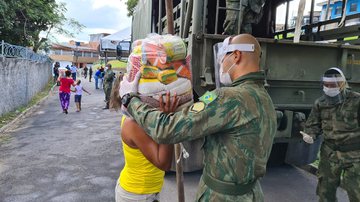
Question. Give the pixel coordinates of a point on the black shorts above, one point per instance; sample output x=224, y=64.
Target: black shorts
x=77, y=98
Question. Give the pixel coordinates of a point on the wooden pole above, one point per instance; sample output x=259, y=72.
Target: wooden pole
x=179, y=171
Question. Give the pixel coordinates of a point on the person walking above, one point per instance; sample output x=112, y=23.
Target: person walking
x=85, y=71
x=336, y=116
x=56, y=72
x=142, y=177
x=64, y=90
x=108, y=83
x=238, y=122
x=90, y=73
x=96, y=77
x=73, y=72
x=78, y=94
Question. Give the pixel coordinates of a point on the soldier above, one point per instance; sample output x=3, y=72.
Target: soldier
x=238, y=123
x=336, y=116
x=251, y=13
x=108, y=82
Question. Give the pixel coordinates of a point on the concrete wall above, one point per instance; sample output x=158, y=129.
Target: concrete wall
x=20, y=80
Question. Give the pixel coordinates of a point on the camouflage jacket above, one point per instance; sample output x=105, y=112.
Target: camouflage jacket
x=109, y=76
x=238, y=123
x=338, y=123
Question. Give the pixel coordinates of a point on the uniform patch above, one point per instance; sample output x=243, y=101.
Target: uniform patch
x=208, y=97
x=197, y=107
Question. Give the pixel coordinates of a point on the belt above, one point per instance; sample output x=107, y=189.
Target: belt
x=342, y=148
x=228, y=188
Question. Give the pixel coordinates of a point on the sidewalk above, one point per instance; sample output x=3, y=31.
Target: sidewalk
x=51, y=156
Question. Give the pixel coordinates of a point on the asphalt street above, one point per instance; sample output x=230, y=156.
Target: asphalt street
x=49, y=156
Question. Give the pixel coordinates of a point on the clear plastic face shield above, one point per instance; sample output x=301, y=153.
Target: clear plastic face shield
x=333, y=83
x=222, y=49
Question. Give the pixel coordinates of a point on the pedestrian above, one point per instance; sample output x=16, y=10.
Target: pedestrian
x=64, y=90
x=90, y=73
x=73, y=72
x=56, y=72
x=108, y=83
x=85, y=71
x=142, y=177
x=78, y=94
x=101, y=77
x=68, y=68
x=238, y=122
x=96, y=77
x=336, y=116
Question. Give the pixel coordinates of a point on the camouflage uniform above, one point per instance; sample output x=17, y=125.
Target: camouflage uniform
x=251, y=14
x=108, y=82
x=239, y=125
x=340, y=151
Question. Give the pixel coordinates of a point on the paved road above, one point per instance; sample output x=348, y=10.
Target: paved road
x=50, y=156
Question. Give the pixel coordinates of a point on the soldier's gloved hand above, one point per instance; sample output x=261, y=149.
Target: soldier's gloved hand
x=129, y=87
x=307, y=138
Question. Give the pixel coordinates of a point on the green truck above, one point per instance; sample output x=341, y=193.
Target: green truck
x=293, y=70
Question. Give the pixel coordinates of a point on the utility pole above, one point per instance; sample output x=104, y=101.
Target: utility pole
x=178, y=159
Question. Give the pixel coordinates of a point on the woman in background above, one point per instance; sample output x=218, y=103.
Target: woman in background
x=64, y=90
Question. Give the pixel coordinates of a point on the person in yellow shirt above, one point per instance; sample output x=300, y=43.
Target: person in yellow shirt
x=142, y=177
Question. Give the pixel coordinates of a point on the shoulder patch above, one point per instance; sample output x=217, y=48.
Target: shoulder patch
x=208, y=97
x=197, y=107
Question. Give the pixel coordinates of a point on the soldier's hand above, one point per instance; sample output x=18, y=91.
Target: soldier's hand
x=170, y=105
x=307, y=138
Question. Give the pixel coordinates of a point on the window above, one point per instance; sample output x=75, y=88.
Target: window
x=353, y=7
x=338, y=10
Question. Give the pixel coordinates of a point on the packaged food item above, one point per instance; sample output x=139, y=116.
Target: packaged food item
x=167, y=76
x=133, y=66
x=182, y=69
x=149, y=72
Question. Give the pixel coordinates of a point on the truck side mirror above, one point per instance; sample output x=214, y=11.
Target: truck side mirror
x=118, y=51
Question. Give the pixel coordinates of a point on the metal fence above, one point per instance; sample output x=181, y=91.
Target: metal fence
x=13, y=51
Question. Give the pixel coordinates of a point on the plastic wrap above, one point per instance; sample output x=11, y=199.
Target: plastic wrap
x=164, y=66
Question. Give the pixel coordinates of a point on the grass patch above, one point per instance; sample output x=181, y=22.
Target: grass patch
x=8, y=117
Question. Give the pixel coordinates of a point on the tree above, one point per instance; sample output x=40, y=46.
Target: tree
x=131, y=4
x=21, y=22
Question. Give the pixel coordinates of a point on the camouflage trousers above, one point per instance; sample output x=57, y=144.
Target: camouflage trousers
x=205, y=194
x=333, y=172
x=233, y=19
x=107, y=91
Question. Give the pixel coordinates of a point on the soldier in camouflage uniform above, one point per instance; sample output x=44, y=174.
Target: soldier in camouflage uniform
x=336, y=116
x=108, y=82
x=251, y=13
x=238, y=123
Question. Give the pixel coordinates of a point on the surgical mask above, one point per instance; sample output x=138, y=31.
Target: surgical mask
x=225, y=76
x=331, y=92
x=106, y=68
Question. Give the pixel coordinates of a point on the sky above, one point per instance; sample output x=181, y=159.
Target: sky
x=98, y=16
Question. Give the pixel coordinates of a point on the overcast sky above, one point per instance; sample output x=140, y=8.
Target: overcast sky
x=98, y=16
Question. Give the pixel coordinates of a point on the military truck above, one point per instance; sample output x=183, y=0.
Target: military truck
x=293, y=70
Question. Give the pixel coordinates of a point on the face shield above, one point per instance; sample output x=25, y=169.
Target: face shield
x=334, y=83
x=222, y=49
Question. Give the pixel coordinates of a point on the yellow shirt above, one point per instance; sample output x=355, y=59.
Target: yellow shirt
x=139, y=175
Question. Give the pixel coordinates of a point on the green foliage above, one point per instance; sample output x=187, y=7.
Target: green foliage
x=131, y=4
x=21, y=22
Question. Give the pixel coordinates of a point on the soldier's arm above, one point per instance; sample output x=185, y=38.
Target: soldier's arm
x=193, y=122
x=313, y=123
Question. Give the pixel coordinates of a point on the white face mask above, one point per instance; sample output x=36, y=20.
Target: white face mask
x=106, y=68
x=225, y=76
x=331, y=92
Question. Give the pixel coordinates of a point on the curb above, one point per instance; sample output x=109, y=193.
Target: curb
x=23, y=114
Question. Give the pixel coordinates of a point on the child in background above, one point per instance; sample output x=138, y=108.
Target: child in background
x=78, y=92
